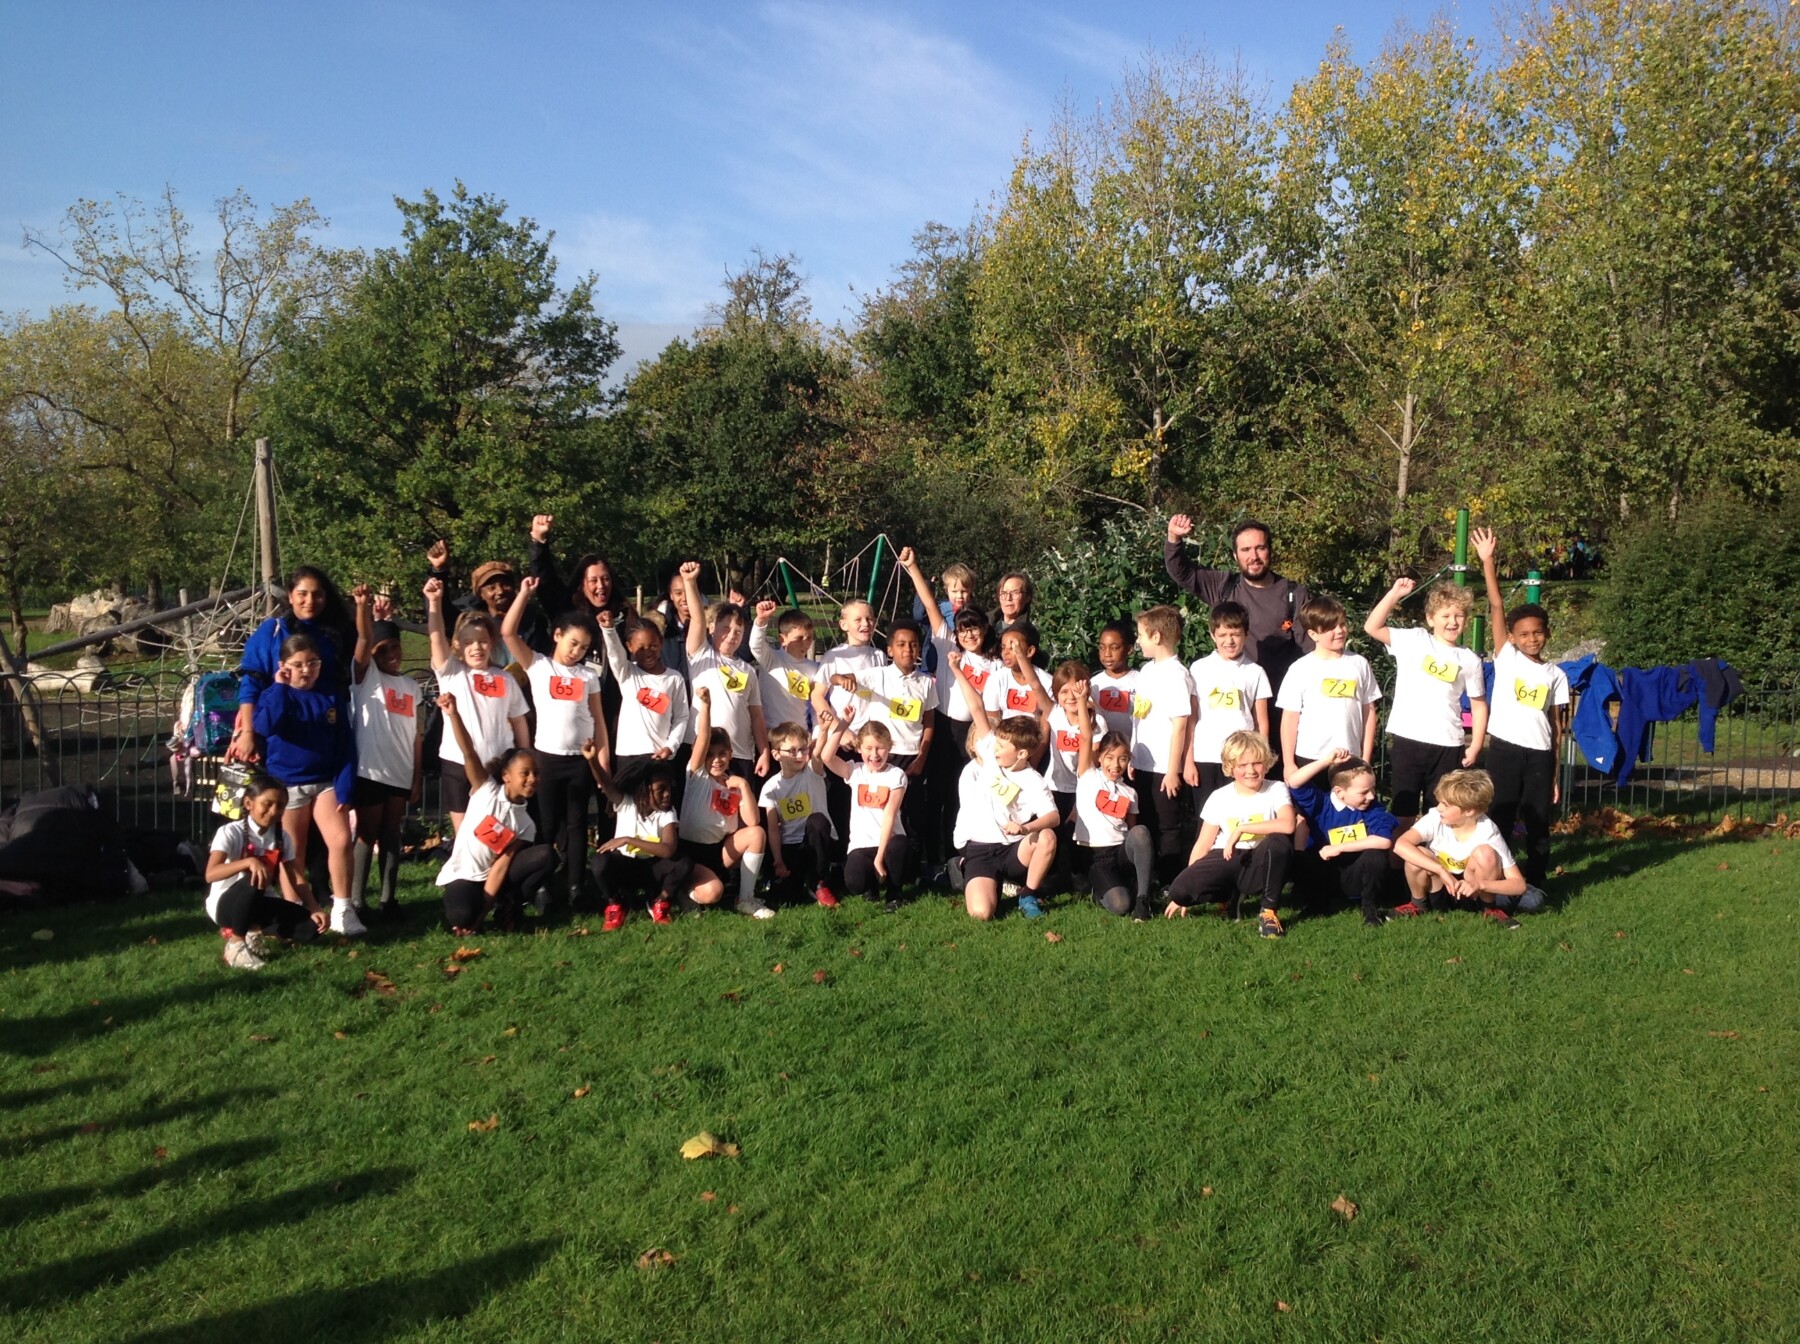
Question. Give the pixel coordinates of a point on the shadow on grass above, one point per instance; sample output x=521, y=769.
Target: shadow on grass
x=1588, y=860
x=155, y=1115
x=374, y=1311
x=35, y=1036
x=98, y=928
x=36, y=1096
x=15, y=1209
x=63, y=1279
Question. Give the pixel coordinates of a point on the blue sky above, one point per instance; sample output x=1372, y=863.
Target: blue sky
x=661, y=142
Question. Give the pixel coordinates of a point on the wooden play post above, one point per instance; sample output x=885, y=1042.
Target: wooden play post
x=265, y=524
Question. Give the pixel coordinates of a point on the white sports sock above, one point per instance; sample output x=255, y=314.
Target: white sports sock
x=749, y=869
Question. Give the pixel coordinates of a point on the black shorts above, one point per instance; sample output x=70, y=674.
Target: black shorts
x=1414, y=769
x=1000, y=862
x=453, y=787
x=373, y=793
x=703, y=852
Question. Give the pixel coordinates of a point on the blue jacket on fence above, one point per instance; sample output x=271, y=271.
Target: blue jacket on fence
x=1649, y=695
x=1719, y=686
x=1594, y=682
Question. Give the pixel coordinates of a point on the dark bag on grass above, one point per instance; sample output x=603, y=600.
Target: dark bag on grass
x=65, y=843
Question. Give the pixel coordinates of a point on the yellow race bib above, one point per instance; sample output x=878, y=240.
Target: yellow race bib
x=1453, y=865
x=1440, y=669
x=1338, y=688
x=906, y=711
x=1531, y=696
x=1004, y=789
x=1222, y=697
x=1251, y=841
x=1347, y=835
x=797, y=808
x=736, y=681
x=800, y=687
x=1140, y=707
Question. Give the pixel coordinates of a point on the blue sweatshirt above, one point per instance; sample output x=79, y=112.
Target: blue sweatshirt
x=1323, y=816
x=306, y=737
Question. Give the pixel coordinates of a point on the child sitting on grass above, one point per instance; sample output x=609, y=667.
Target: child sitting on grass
x=246, y=857
x=1246, y=837
x=719, y=828
x=644, y=854
x=1455, y=856
x=1348, y=834
x=797, y=821
x=1006, y=819
x=1120, y=858
x=493, y=864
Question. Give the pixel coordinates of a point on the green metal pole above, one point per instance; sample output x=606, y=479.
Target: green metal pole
x=875, y=569
x=1472, y=635
x=1534, y=586
x=787, y=581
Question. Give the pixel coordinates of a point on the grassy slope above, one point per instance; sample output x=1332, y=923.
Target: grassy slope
x=963, y=1132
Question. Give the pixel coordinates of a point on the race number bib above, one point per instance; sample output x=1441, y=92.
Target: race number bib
x=1347, y=835
x=1440, y=669
x=1114, y=805
x=493, y=687
x=1140, y=706
x=565, y=688
x=1020, y=698
x=1115, y=701
x=736, y=680
x=495, y=834
x=724, y=802
x=1068, y=741
x=1454, y=865
x=799, y=686
x=1222, y=697
x=1338, y=688
x=1529, y=695
x=906, y=711
x=653, y=700
x=978, y=680
x=271, y=858
x=637, y=853
x=797, y=808
x=1004, y=789
x=1251, y=841
x=872, y=795
x=397, y=702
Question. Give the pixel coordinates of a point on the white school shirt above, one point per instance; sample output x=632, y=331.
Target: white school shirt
x=1064, y=757
x=734, y=687
x=709, y=809
x=386, y=710
x=787, y=681
x=1226, y=691
x=653, y=708
x=988, y=797
x=795, y=798
x=492, y=822
x=900, y=700
x=869, y=794
x=846, y=660
x=1525, y=695
x=1436, y=836
x=1112, y=696
x=1430, y=680
x=1329, y=695
x=565, y=719
x=1006, y=697
x=1226, y=805
x=1102, y=810
x=1164, y=694
x=486, y=702
x=241, y=840
x=627, y=821
x=979, y=667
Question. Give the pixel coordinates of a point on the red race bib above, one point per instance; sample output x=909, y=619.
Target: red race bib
x=1068, y=741
x=565, y=688
x=1019, y=697
x=494, y=687
x=725, y=802
x=872, y=795
x=1114, y=805
x=1115, y=700
x=978, y=680
x=271, y=857
x=397, y=702
x=654, y=701
x=494, y=834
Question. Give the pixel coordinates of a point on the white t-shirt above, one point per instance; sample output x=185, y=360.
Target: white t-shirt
x=1329, y=695
x=734, y=687
x=795, y=798
x=1102, y=810
x=1227, y=691
x=1164, y=694
x=1007, y=697
x=1064, y=756
x=869, y=794
x=1525, y=695
x=241, y=840
x=988, y=797
x=492, y=823
x=1430, y=680
x=486, y=701
x=846, y=660
x=1435, y=835
x=1112, y=697
x=648, y=826
x=386, y=710
x=709, y=809
x=900, y=700
x=653, y=712
x=559, y=693
x=787, y=681
x=1226, y=805
x=981, y=671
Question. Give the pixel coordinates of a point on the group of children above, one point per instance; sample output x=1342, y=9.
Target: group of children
x=799, y=774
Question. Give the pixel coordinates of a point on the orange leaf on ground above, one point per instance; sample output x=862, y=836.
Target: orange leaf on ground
x=1053, y=937
x=582, y=1091
x=1206, y=1192
x=1343, y=1206
x=465, y=954
x=487, y=1126
x=707, y=1196
x=819, y=977
x=705, y=1144
x=1452, y=961
x=1725, y=1035
x=160, y=1154
x=731, y=1208
x=655, y=1258
x=1282, y=1306
x=856, y=951
x=262, y=1038
x=340, y=1035
x=778, y=968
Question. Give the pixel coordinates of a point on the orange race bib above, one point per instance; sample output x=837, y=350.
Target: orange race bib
x=1115, y=701
x=1114, y=805
x=872, y=795
x=397, y=702
x=492, y=686
x=653, y=700
x=1068, y=741
x=271, y=857
x=565, y=688
x=978, y=680
x=1020, y=698
x=495, y=834
x=724, y=802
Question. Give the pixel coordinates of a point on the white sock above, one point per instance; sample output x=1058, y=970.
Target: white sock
x=749, y=869
x=340, y=902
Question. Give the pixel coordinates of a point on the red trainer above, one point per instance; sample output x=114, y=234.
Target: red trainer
x=1408, y=911
x=824, y=897
x=659, y=910
x=615, y=918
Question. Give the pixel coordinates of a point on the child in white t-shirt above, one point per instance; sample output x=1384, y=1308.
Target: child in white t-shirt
x=1455, y=855
x=878, y=845
x=1431, y=677
x=1116, y=681
x=796, y=815
x=1021, y=687
x=390, y=749
x=719, y=828
x=1327, y=697
x=1120, y=858
x=246, y=859
x=1006, y=819
x=1231, y=695
x=653, y=710
x=1163, y=706
x=1246, y=837
x=787, y=666
x=491, y=704
x=712, y=652
x=643, y=857
x=494, y=866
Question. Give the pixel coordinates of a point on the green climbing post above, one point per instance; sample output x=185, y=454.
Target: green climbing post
x=787, y=581
x=1472, y=635
x=875, y=569
x=1534, y=586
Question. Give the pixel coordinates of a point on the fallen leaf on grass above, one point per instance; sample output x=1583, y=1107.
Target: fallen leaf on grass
x=435, y=1008
x=731, y=1208
x=106, y=1021
x=565, y=963
x=340, y=1035
x=782, y=1076
x=487, y=1126
x=582, y=1092
x=733, y=995
x=1282, y=1306
x=510, y=1031
x=91, y=1127
x=352, y=954
x=1374, y=1077
x=1452, y=961
x=52, y=1068
x=778, y=968
x=465, y=954
x=150, y=941
x=819, y=977
x=1686, y=971
x=856, y=951
x=160, y=1153
x=705, y=1144
x=1343, y=1206
x=1724, y=867
x=655, y=1258
x=1053, y=937
x=262, y=1040
x=1206, y=1192
x=707, y=1197
x=1564, y=946
x=453, y=970
x=379, y=982
x=486, y=1059
x=581, y=932
x=1725, y=1035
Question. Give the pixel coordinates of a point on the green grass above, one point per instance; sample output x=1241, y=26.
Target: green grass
x=1585, y=1129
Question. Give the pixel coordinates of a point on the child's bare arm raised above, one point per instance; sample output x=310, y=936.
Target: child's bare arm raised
x=441, y=652
x=922, y=587
x=522, y=653
x=473, y=769
x=1486, y=546
x=365, y=633
x=697, y=633
x=1376, y=626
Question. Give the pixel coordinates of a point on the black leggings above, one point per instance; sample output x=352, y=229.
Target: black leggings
x=565, y=787
x=243, y=908
x=1167, y=819
x=1219, y=877
x=1120, y=874
x=859, y=868
x=618, y=874
x=808, y=862
x=466, y=900
x=949, y=754
x=1524, y=783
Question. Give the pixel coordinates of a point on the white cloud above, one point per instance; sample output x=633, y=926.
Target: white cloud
x=1100, y=50
x=650, y=271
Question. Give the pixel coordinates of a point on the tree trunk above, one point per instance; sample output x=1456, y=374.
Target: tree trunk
x=16, y=609
x=153, y=590
x=1403, y=477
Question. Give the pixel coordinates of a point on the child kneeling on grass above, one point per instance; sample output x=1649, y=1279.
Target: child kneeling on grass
x=1347, y=834
x=493, y=864
x=1117, y=845
x=719, y=827
x=1006, y=819
x=1456, y=858
x=879, y=845
x=644, y=853
x=796, y=809
x=246, y=856
x=1246, y=837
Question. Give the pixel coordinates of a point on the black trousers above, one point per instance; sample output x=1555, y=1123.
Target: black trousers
x=243, y=908
x=1120, y=874
x=1524, y=782
x=1167, y=819
x=618, y=875
x=565, y=789
x=1414, y=769
x=808, y=863
x=1212, y=779
x=1361, y=877
x=466, y=901
x=861, y=878
x=915, y=813
x=1218, y=877
x=949, y=754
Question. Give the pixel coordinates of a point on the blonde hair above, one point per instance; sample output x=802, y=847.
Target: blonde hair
x=1443, y=594
x=878, y=731
x=1241, y=745
x=961, y=574
x=1471, y=790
